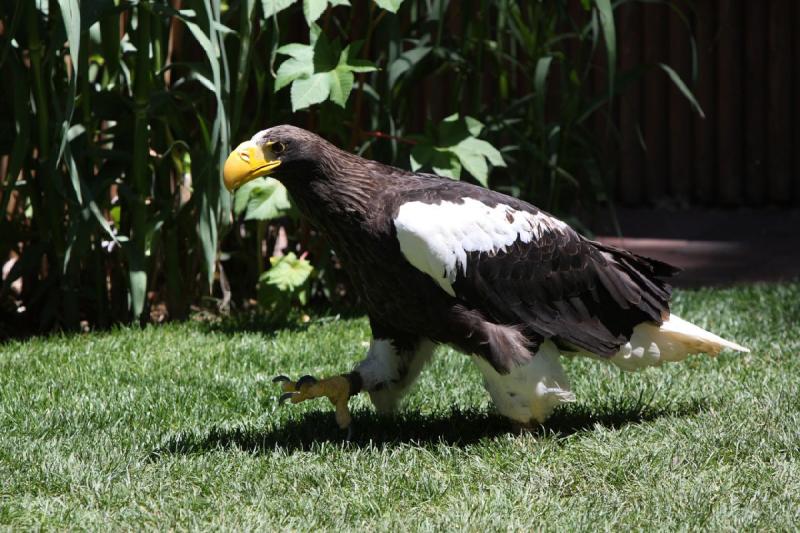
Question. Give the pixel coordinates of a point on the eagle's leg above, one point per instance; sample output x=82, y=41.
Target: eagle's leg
x=391, y=367
x=386, y=374
x=528, y=393
x=337, y=389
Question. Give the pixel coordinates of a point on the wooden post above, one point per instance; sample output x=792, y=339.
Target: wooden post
x=795, y=91
x=755, y=141
x=630, y=106
x=705, y=139
x=730, y=143
x=779, y=114
x=681, y=132
x=656, y=102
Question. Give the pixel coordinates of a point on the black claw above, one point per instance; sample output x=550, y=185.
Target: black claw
x=305, y=380
x=285, y=396
x=278, y=379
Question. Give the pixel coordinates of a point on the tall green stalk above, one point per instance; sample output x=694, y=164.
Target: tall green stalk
x=137, y=273
x=144, y=220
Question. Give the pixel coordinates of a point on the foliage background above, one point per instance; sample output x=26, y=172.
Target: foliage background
x=117, y=116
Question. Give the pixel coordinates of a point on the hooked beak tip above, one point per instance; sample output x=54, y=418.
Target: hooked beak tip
x=247, y=162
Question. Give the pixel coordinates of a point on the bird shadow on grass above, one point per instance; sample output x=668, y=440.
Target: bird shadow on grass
x=455, y=428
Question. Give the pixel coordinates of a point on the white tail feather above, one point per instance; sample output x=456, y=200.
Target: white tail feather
x=696, y=338
x=674, y=340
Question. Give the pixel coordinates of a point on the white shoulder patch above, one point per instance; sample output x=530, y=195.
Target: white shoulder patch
x=436, y=238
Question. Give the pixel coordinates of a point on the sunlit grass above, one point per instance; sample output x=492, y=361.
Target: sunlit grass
x=178, y=427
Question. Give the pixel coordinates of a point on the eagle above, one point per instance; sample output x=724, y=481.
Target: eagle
x=437, y=261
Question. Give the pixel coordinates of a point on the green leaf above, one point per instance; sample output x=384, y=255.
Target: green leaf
x=455, y=147
x=208, y=232
x=71, y=15
x=676, y=79
x=290, y=70
x=303, y=52
x=283, y=284
x=389, y=5
x=347, y=61
x=309, y=91
x=474, y=126
x=420, y=156
x=313, y=9
x=473, y=153
x=262, y=199
x=447, y=165
x=300, y=64
x=405, y=62
x=454, y=129
x=475, y=164
x=273, y=7
x=137, y=277
x=606, y=13
x=319, y=71
x=326, y=54
x=288, y=272
x=442, y=161
x=341, y=82
x=314, y=31
x=482, y=147
x=539, y=84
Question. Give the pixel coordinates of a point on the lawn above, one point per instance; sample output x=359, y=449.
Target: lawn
x=178, y=427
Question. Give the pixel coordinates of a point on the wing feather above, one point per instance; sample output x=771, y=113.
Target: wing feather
x=523, y=267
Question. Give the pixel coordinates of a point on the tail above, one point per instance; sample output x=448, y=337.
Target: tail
x=674, y=340
x=695, y=339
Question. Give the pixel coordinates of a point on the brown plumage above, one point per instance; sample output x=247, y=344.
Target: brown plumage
x=438, y=261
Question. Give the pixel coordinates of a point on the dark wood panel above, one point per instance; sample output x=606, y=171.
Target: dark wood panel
x=795, y=91
x=747, y=150
x=755, y=179
x=705, y=139
x=730, y=121
x=681, y=132
x=656, y=103
x=780, y=101
x=630, y=106
x=602, y=121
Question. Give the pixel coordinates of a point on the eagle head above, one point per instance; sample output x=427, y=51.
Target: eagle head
x=281, y=150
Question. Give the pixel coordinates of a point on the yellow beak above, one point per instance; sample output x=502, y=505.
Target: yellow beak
x=248, y=161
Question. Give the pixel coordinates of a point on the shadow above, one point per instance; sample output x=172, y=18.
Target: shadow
x=456, y=428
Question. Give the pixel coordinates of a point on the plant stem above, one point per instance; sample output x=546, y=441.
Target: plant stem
x=359, y=102
x=141, y=92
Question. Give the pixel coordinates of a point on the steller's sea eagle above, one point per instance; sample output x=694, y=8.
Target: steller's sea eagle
x=438, y=261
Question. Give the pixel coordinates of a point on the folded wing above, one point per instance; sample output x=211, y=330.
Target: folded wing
x=521, y=266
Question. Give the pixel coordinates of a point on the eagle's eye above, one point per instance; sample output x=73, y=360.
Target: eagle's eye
x=278, y=148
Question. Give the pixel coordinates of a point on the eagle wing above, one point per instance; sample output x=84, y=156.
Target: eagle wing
x=523, y=267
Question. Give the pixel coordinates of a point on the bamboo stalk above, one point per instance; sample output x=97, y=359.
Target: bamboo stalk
x=48, y=215
x=246, y=20
x=139, y=167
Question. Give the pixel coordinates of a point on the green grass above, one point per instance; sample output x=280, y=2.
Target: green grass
x=177, y=427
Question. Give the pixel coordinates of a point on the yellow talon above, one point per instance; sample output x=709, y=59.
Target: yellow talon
x=336, y=389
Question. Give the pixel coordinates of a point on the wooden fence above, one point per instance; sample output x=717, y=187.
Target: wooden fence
x=746, y=152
